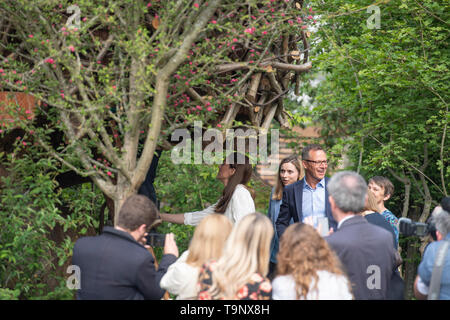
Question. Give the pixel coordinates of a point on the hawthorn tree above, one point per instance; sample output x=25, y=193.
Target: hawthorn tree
x=118, y=77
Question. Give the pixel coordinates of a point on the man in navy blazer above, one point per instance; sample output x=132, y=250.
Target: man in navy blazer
x=307, y=197
x=365, y=250
x=115, y=265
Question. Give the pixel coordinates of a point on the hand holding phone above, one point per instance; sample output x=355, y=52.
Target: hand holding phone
x=170, y=246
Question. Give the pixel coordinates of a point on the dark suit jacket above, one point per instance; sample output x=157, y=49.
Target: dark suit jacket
x=114, y=266
x=378, y=220
x=292, y=206
x=367, y=254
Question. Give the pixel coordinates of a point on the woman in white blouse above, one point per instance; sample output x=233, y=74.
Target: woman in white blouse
x=236, y=200
x=207, y=243
x=307, y=268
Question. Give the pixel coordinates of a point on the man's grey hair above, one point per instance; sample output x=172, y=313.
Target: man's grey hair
x=441, y=220
x=349, y=191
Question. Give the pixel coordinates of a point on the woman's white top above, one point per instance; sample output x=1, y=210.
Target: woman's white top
x=240, y=205
x=181, y=279
x=330, y=287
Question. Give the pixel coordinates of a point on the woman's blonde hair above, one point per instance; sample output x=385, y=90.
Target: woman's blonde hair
x=209, y=239
x=302, y=253
x=246, y=252
x=371, y=204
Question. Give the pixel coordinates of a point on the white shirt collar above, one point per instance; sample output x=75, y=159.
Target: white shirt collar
x=345, y=219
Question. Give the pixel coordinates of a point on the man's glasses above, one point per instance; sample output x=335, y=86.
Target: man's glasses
x=318, y=163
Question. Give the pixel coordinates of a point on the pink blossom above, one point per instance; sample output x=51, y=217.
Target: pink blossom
x=72, y=48
x=219, y=125
x=1, y=70
x=213, y=21
x=50, y=60
x=30, y=36
x=264, y=32
x=149, y=5
x=196, y=5
x=24, y=143
x=199, y=107
x=310, y=17
x=250, y=30
x=209, y=109
x=109, y=173
x=62, y=95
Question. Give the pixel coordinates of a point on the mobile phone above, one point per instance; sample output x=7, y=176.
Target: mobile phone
x=155, y=239
x=324, y=227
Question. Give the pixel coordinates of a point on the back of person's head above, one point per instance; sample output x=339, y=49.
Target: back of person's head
x=371, y=203
x=246, y=252
x=348, y=189
x=136, y=211
x=209, y=239
x=241, y=163
x=445, y=204
x=385, y=183
x=308, y=148
x=441, y=220
x=278, y=193
x=302, y=253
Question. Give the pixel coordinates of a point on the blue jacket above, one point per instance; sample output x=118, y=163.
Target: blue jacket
x=292, y=206
x=426, y=268
x=274, y=210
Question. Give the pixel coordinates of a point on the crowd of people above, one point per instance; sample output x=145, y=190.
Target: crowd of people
x=322, y=238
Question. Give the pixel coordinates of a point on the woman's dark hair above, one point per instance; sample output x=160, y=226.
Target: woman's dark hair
x=242, y=175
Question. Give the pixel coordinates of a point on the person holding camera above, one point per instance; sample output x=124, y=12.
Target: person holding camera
x=433, y=279
x=236, y=201
x=115, y=265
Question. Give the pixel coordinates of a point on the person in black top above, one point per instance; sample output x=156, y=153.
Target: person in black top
x=372, y=214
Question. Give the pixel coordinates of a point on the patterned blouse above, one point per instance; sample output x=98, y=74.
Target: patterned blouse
x=258, y=287
x=393, y=220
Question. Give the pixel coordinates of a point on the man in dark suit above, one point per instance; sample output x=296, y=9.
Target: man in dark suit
x=307, y=198
x=116, y=265
x=365, y=250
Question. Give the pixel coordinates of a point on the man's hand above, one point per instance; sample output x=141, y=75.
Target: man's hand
x=170, y=246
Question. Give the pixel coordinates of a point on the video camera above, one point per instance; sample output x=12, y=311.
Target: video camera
x=408, y=228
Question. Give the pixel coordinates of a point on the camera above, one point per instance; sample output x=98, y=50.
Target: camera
x=155, y=239
x=408, y=228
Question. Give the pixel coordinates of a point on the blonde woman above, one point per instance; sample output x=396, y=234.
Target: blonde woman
x=241, y=271
x=372, y=214
x=207, y=243
x=307, y=268
x=289, y=171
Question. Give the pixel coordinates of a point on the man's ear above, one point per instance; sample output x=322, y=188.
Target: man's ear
x=142, y=228
x=332, y=203
x=439, y=236
x=387, y=197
